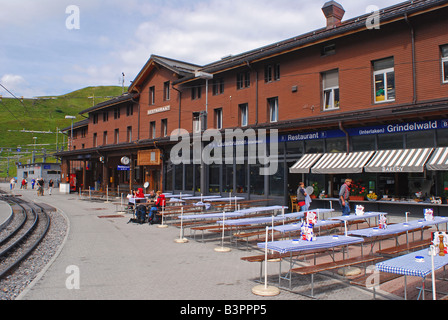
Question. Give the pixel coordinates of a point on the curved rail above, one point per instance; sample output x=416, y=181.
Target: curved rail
x=21, y=242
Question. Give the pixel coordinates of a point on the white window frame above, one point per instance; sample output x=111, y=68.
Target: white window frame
x=244, y=110
x=384, y=74
x=218, y=118
x=330, y=96
x=444, y=60
x=329, y=93
x=273, y=110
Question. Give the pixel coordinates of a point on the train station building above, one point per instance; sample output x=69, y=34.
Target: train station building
x=364, y=98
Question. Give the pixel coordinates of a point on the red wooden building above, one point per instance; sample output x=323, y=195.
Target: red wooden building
x=347, y=91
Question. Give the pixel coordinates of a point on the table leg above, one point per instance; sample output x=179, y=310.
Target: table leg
x=405, y=288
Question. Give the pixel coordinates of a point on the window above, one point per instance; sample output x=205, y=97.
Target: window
x=105, y=116
x=129, y=134
x=95, y=118
x=243, y=80
x=117, y=113
x=117, y=136
x=164, y=127
x=330, y=85
x=328, y=50
x=273, y=109
x=105, y=138
x=83, y=132
x=152, y=130
x=384, y=80
x=444, y=50
x=196, y=93
x=244, y=114
x=218, y=86
x=95, y=140
x=130, y=110
x=152, y=95
x=272, y=72
x=218, y=119
x=166, y=91
x=196, y=122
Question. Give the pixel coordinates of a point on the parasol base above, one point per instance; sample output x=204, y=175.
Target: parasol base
x=222, y=249
x=265, y=291
x=162, y=226
x=181, y=240
x=349, y=271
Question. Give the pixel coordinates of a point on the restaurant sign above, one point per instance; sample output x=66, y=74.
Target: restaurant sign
x=383, y=129
x=159, y=110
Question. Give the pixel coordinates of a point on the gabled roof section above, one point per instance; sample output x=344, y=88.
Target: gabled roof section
x=77, y=125
x=181, y=68
x=126, y=97
x=357, y=24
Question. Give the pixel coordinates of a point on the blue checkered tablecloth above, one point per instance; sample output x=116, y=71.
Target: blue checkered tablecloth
x=233, y=214
x=261, y=220
x=353, y=217
x=408, y=265
x=397, y=228
x=324, y=242
x=297, y=226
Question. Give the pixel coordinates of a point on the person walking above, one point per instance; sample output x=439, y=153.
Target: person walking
x=344, y=195
x=50, y=186
x=302, y=198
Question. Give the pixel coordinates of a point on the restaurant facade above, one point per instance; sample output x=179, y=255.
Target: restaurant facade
x=364, y=99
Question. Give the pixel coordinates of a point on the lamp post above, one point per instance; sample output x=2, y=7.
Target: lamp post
x=71, y=138
x=204, y=120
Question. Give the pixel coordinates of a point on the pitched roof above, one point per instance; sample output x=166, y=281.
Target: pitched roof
x=181, y=68
x=387, y=15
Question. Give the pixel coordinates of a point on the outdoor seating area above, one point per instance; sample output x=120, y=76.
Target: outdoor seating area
x=310, y=246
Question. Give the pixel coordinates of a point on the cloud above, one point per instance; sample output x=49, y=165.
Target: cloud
x=119, y=36
x=206, y=31
x=17, y=85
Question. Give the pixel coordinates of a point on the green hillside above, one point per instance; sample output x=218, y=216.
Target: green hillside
x=42, y=114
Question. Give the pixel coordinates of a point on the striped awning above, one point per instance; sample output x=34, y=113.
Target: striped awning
x=305, y=163
x=404, y=160
x=439, y=160
x=342, y=163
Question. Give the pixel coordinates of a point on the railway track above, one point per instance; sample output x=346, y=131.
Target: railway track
x=23, y=233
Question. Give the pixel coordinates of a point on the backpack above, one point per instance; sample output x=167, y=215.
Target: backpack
x=141, y=213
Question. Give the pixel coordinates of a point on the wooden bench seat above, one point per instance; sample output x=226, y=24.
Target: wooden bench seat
x=405, y=247
x=335, y=265
x=383, y=278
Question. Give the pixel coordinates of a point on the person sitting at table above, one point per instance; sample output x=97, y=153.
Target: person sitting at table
x=158, y=205
x=152, y=196
x=139, y=193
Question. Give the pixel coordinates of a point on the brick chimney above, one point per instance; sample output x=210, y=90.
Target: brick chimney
x=334, y=13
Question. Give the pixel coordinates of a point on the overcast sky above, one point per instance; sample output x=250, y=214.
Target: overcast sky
x=43, y=52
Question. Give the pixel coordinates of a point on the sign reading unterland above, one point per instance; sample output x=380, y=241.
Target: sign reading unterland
x=159, y=110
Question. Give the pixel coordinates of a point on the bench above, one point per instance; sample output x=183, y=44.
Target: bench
x=405, y=247
x=276, y=256
x=329, y=266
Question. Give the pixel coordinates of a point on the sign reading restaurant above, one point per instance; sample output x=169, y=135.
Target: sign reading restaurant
x=159, y=110
x=384, y=129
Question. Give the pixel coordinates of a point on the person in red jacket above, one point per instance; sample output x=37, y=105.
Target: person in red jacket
x=160, y=203
x=139, y=194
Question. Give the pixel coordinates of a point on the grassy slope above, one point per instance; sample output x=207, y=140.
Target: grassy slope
x=43, y=114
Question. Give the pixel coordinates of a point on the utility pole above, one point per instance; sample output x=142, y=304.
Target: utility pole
x=122, y=83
